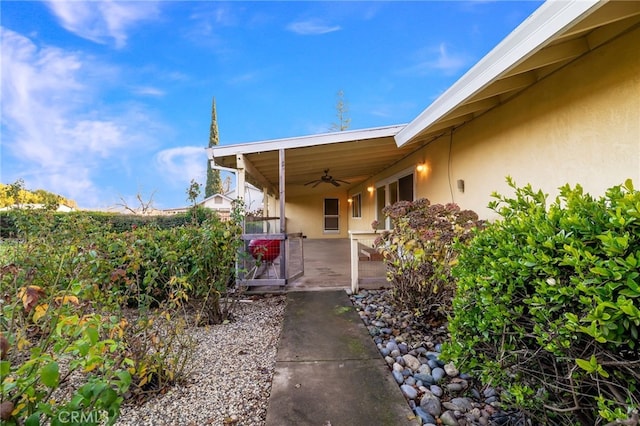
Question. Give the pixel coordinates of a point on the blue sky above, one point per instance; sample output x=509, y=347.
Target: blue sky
x=105, y=100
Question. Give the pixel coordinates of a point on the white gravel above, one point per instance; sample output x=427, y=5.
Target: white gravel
x=231, y=377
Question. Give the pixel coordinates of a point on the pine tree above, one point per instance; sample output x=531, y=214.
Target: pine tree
x=213, y=186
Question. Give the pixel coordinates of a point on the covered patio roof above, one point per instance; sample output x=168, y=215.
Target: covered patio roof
x=352, y=156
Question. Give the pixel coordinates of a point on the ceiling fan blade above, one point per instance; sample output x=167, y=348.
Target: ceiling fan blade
x=342, y=181
x=317, y=183
x=334, y=183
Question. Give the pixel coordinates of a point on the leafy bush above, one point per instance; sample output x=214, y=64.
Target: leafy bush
x=418, y=253
x=192, y=264
x=158, y=351
x=80, y=300
x=51, y=330
x=547, y=304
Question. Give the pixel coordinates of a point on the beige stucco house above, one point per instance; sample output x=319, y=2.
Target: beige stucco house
x=557, y=101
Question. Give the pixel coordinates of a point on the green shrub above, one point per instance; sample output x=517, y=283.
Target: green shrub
x=418, y=253
x=547, y=304
x=66, y=282
x=51, y=330
x=193, y=264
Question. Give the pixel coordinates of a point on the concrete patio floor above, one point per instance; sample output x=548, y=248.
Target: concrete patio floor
x=327, y=266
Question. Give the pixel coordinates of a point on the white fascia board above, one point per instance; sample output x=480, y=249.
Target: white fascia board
x=303, y=141
x=549, y=20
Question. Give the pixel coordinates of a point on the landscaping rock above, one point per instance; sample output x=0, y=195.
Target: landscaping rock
x=409, y=391
x=411, y=362
x=431, y=404
x=434, y=389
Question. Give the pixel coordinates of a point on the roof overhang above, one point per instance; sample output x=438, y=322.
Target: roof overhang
x=352, y=156
x=557, y=33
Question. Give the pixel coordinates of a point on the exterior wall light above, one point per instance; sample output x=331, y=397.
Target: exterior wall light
x=421, y=167
x=350, y=200
x=370, y=189
x=460, y=184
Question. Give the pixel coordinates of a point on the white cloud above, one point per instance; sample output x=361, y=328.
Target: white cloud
x=447, y=62
x=180, y=165
x=148, y=91
x=100, y=21
x=311, y=27
x=440, y=59
x=55, y=134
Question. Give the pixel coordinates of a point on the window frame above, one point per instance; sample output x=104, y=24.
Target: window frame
x=384, y=186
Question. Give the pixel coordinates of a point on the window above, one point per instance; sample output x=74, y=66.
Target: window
x=398, y=188
x=331, y=215
x=405, y=188
x=356, y=206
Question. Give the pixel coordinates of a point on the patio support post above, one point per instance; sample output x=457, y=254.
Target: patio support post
x=241, y=178
x=283, y=218
x=355, y=279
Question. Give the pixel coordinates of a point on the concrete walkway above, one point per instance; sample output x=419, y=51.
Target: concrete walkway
x=328, y=370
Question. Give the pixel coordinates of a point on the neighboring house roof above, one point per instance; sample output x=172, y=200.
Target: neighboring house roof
x=228, y=200
x=557, y=33
x=217, y=202
x=231, y=193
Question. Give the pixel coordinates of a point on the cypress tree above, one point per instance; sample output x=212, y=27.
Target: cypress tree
x=213, y=186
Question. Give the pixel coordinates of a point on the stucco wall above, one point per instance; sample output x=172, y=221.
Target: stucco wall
x=579, y=125
x=306, y=214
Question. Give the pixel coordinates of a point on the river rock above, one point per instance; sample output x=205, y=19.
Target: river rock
x=431, y=404
x=438, y=374
x=426, y=379
x=424, y=369
x=449, y=419
x=409, y=391
x=463, y=404
x=424, y=416
x=451, y=370
x=411, y=362
x=436, y=390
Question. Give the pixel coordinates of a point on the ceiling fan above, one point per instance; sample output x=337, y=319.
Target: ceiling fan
x=326, y=179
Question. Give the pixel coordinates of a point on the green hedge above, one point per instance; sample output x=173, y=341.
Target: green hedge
x=118, y=222
x=547, y=304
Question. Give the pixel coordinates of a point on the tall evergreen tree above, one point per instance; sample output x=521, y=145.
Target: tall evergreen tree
x=214, y=185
